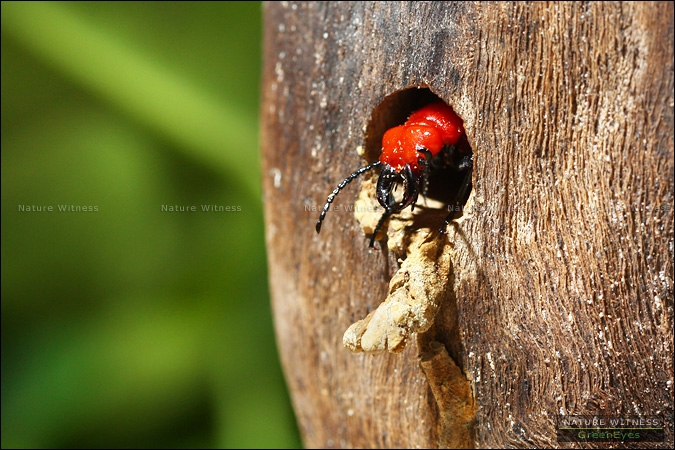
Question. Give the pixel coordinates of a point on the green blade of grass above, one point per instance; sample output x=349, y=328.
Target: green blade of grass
x=214, y=133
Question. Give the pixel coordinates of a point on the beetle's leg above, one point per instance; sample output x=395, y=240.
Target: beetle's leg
x=380, y=222
x=424, y=160
x=466, y=167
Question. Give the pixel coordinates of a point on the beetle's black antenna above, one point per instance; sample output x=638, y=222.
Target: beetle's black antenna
x=339, y=187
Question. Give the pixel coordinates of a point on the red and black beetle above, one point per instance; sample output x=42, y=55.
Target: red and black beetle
x=433, y=137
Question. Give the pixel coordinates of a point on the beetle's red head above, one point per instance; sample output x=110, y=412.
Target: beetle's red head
x=401, y=146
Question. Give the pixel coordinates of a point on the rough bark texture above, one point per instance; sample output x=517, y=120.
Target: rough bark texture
x=562, y=274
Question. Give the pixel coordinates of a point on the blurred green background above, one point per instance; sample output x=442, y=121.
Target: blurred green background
x=122, y=324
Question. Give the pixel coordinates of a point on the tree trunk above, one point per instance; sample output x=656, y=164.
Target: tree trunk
x=560, y=284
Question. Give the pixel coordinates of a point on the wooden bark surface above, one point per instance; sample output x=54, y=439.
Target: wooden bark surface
x=562, y=279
